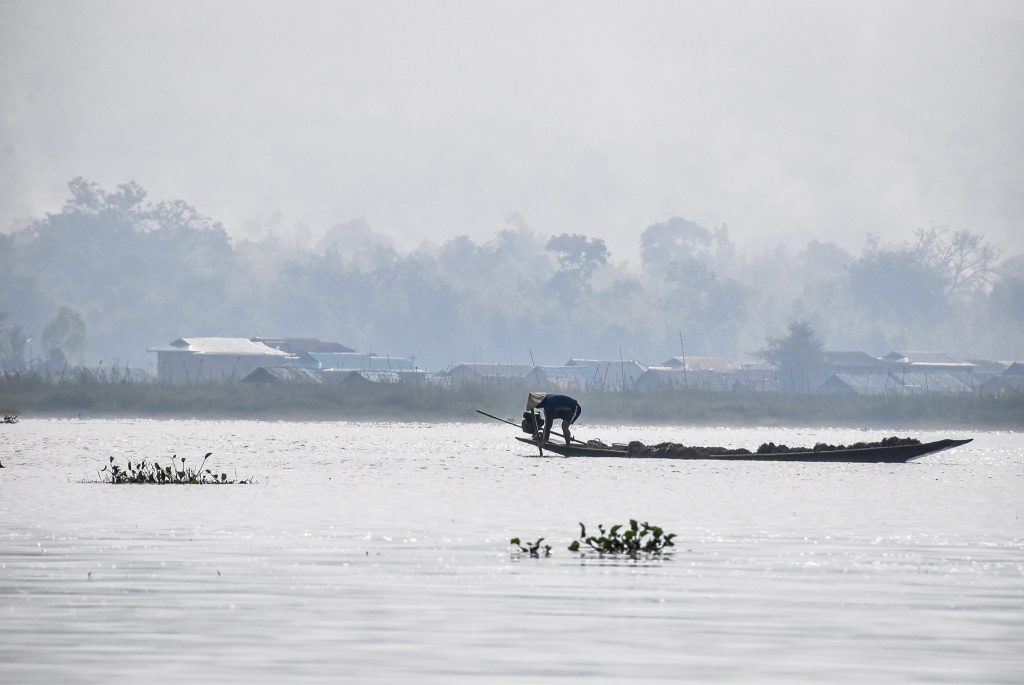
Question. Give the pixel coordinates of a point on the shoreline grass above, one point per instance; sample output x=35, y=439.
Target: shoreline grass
x=35, y=398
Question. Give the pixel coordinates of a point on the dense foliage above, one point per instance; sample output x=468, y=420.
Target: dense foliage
x=634, y=538
x=112, y=274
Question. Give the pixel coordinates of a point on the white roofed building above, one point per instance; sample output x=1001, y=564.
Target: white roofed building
x=208, y=360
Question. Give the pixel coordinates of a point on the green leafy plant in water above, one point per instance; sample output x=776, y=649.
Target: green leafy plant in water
x=144, y=472
x=534, y=549
x=637, y=538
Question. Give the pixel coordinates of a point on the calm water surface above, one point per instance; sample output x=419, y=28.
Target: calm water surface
x=374, y=552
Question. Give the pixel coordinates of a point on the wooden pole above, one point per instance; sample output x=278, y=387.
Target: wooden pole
x=498, y=418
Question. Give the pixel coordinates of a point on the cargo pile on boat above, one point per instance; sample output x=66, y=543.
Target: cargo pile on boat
x=678, y=451
x=894, y=441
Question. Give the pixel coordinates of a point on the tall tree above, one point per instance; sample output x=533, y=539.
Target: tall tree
x=676, y=240
x=894, y=286
x=965, y=260
x=64, y=337
x=12, y=344
x=577, y=254
x=800, y=356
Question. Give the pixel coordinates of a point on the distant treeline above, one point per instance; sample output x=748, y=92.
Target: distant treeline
x=112, y=274
x=31, y=395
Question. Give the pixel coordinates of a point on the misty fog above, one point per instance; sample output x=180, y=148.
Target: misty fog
x=142, y=272
x=461, y=181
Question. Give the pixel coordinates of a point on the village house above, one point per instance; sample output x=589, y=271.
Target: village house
x=757, y=378
x=490, y=374
x=663, y=379
x=611, y=375
x=985, y=370
x=898, y=383
x=862, y=384
x=360, y=361
x=205, y=360
x=564, y=379
x=302, y=349
x=927, y=362
x=301, y=375
x=692, y=363
x=278, y=375
x=935, y=382
x=929, y=372
x=367, y=377
x=709, y=374
x=854, y=363
x=1009, y=382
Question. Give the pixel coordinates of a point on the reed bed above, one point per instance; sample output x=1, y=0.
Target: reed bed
x=29, y=395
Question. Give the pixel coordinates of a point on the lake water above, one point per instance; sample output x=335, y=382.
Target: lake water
x=374, y=552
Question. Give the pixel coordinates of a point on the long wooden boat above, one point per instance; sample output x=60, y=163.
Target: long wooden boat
x=896, y=454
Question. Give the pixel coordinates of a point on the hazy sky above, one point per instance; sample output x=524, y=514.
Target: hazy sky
x=786, y=120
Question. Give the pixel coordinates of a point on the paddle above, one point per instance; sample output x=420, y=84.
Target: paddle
x=492, y=416
x=498, y=418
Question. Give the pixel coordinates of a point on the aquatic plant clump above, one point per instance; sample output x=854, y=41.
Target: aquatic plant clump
x=145, y=473
x=534, y=549
x=635, y=539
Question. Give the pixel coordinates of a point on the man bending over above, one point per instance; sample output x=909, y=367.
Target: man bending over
x=560, y=407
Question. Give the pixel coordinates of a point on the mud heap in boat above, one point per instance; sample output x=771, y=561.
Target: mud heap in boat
x=675, y=450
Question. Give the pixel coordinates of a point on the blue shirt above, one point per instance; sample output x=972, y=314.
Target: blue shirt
x=553, y=403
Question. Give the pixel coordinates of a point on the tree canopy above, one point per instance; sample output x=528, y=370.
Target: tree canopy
x=138, y=273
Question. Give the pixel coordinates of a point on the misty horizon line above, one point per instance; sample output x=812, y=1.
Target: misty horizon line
x=135, y=273
x=310, y=238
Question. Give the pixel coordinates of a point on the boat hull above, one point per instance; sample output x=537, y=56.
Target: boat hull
x=897, y=454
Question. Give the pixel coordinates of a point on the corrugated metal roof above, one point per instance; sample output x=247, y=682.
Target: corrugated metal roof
x=865, y=384
x=360, y=361
x=1003, y=385
x=917, y=357
x=237, y=347
x=369, y=375
x=677, y=378
x=496, y=370
x=853, y=358
x=585, y=373
x=611, y=371
x=1014, y=369
x=299, y=345
x=986, y=366
x=702, y=363
x=910, y=383
x=939, y=381
x=284, y=374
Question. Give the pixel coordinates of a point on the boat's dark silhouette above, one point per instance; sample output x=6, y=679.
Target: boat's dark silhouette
x=894, y=454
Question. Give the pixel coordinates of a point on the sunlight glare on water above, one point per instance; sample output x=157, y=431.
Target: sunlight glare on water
x=378, y=552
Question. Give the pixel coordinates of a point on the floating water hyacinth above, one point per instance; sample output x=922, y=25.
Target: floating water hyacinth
x=534, y=549
x=637, y=538
x=145, y=473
